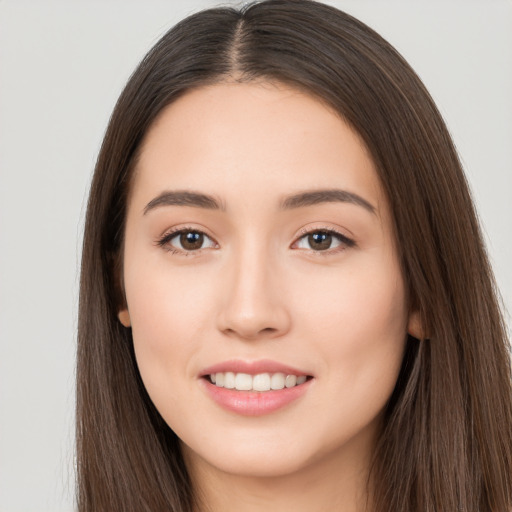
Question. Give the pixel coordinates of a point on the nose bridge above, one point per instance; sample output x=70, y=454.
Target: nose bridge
x=253, y=305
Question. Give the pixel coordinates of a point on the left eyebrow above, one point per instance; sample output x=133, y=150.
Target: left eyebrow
x=183, y=198
x=313, y=197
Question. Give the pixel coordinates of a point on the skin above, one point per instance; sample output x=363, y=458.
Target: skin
x=257, y=290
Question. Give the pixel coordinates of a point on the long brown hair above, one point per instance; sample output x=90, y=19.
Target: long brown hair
x=446, y=443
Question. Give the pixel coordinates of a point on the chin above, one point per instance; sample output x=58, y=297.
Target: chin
x=251, y=462
x=280, y=455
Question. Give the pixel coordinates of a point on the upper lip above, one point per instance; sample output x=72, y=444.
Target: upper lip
x=252, y=367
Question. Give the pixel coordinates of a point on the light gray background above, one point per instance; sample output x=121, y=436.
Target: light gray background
x=62, y=66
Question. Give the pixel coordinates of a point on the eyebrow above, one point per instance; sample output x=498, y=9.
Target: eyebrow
x=183, y=198
x=300, y=200
x=313, y=197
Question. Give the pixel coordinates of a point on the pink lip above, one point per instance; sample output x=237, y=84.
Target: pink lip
x=253, y=403
x=252, y=368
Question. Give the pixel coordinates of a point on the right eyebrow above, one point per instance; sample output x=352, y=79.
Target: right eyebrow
x=183, y=198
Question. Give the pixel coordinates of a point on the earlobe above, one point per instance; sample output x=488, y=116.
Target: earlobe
x=414, y=327
x=124, y=317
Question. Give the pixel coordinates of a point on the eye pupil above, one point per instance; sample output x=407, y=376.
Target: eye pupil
x=320, y=241
x=191, y=240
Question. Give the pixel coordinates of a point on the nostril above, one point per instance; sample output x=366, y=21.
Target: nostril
x=251, y=334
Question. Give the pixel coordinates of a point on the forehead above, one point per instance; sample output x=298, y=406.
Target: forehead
x=253, y=137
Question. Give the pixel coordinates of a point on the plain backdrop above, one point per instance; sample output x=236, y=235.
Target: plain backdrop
x=62, y=66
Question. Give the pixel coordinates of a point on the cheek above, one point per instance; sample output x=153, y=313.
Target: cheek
x=364, y=297
x=165, y=302
x=358, y=330
x=167, y=314
x=358, y=322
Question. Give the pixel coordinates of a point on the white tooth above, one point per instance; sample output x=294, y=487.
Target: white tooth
x=219, y=380
x=261, y=382
x=243, y=382
x=290, y=381
x=277, y=381
x=229, y=380
x=212, y=378
x=301, y=379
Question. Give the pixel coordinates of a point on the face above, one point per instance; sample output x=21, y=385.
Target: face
x=259, y=254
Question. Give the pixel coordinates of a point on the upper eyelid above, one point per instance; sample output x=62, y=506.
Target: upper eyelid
x=306, y=231
x=184, y=229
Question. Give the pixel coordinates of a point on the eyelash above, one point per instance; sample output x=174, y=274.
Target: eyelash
x=345, y=242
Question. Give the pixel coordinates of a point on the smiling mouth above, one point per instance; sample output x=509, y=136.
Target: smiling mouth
x=260, y=382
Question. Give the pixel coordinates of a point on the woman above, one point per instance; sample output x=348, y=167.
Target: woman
x=285, y=300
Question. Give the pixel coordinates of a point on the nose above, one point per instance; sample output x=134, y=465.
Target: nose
x=252, y=303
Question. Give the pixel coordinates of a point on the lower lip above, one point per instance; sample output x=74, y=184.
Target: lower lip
x=254, y=403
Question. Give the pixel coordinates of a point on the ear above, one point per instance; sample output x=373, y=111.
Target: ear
x=414, y=326
x=124, y=317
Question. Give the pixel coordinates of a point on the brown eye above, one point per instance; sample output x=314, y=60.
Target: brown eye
x=191, y=240
x=187, y=240
x=320, y=241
